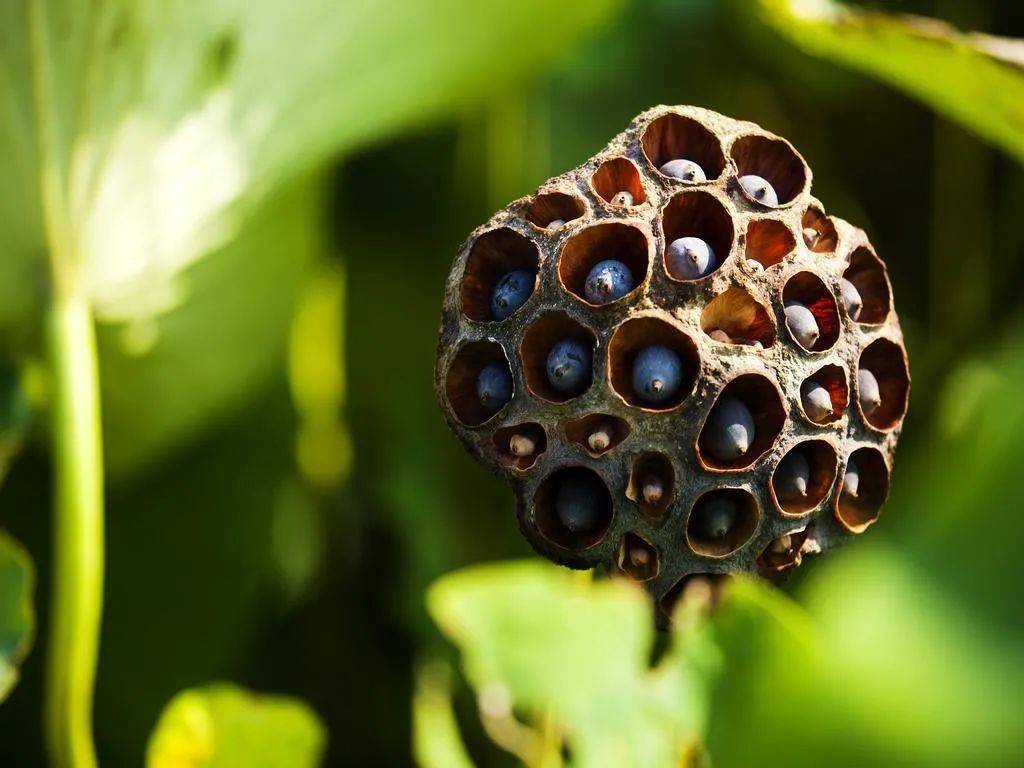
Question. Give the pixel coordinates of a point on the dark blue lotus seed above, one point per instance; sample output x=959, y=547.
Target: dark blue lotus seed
x=607, y=281
x=568, y=366
x=730, y=429
x=511, y=293
x=718, y=517
x=494, y=386
x=578, y=503
x=657, y=374
x=758, y=188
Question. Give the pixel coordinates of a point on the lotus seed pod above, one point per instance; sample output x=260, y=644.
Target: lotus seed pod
x=568, y=366
x=868, y=392
x=802, y=324
x=657, y=374
x=690, y=258
x=851, y=480
x=730, y=429
x=607, y=281
x=675, y=485
x=816, y=400
x=793, y=475
x=511, y=293
x=494, y=386
x=577, y=504
x=851, y=298
x=685, y=170
x=759, y=189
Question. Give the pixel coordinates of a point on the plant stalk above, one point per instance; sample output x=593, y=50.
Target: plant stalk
x=78, y=534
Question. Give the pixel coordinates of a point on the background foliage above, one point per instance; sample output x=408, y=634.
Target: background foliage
x=282, y=491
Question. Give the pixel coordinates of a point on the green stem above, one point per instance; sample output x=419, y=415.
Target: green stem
x=78, y=534
x=77, y=588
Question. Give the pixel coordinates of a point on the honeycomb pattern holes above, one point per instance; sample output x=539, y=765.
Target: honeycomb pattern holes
x=554, y=206
x=618, y=175
x=493, y=255
x=520, y=445
x=819, y=232
x=808, y=289
x=774, y=160
x=538, y=339
x=768, y=242
x=597, y=433
x=734, y=317
x=675, y=137
x=762, y=399
x=633, y=336
x=612, y=240
x=460, y=383
x=823, y=462
x=546, y=517
x=652, y=486
x=702, y=522
x=637, y=558
x=869, y=277
x=833, y=379
x=857, y=512
x=698, y=214
x=888, y=362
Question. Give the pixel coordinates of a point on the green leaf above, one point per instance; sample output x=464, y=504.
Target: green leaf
x=574, y=651
x=224, y=726
x=436, y=741
x=974, y=79
x=17, y=617
x=163, y=130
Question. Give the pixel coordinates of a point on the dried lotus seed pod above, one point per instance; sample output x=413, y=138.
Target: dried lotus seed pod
x=711, y=414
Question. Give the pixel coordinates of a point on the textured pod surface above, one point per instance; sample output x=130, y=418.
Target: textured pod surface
x=727, y=327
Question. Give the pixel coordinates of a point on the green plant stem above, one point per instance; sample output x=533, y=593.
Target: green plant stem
x=77, y=585
x=78, y=534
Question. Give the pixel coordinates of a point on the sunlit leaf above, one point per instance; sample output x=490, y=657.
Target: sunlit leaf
x=166, y=127
x=224, y=726
x=565, y=648
x=974, y=79
x=17, y=617
x=436, y=742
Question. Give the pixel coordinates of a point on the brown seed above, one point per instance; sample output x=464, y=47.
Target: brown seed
x=521, y=445
x=639, y=556
x=782, y=545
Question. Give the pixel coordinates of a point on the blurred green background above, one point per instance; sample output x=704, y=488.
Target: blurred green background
x=282, y=489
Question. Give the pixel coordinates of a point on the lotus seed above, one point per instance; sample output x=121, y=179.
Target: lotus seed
x=521, y=445
x=730, y=429
x=578, y=503
x=608, y=281
x=568, y=366
x=639, y=556
x=792, y=476
x=683, y=169
x=867, y=389
x=851, y=480
x=653, y=490
x=810, y=236
x=782, y=544
x=851, y=299
x=600, y=438
x=657, y=374
x=718, y=517
x=759, y=189
x=802, y=324
x=816, y=400
x=720, y=335
x=555, y=223
x=494, y=386
x=690, y=258
x=623, y=198
x=511, y=293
